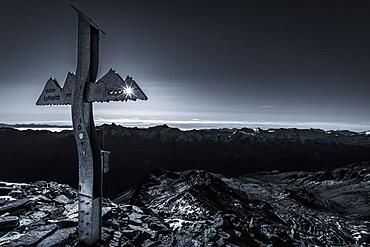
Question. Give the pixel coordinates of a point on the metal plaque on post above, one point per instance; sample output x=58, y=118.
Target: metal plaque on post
x=80, y=90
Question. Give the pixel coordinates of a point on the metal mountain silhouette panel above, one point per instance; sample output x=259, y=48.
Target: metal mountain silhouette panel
x=111, y=87
x=68, y=88
x=51, y=95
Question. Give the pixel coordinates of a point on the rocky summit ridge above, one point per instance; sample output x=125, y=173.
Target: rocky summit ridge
x=198, y=208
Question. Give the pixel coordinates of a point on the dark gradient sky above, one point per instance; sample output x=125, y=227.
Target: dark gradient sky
x=201, y=63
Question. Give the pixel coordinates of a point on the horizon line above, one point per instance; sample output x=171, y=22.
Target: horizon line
x=209, y=124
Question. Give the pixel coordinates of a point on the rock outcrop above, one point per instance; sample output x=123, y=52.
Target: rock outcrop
x=198, y=208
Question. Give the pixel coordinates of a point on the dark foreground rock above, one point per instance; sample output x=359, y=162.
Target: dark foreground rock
x=197, y=208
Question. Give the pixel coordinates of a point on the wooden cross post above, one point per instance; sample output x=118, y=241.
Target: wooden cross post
x=79, y=91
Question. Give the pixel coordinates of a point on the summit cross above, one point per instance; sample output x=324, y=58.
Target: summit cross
x=80, y=90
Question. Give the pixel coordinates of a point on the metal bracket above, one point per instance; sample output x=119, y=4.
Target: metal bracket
x=105, y=160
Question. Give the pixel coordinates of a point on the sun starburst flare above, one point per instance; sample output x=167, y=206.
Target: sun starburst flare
x=129, y=91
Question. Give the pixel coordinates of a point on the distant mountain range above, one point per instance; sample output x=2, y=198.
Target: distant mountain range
x=43, y=155
x=49, y=126
x=31, y=125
